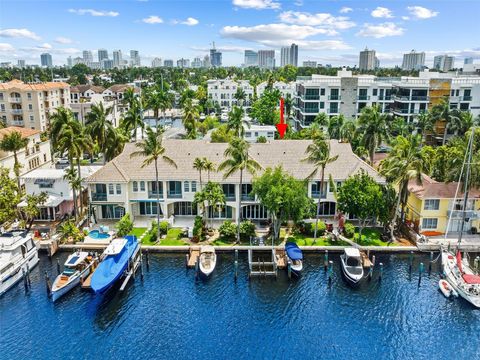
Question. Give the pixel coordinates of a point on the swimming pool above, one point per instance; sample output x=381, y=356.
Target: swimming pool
x=98, y=237
x=96, y=234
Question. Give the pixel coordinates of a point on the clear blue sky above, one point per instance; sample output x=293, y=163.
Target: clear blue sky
x=329, y=31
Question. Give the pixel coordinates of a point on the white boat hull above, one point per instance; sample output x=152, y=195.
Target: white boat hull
x=352, y=279
x=207, y=270
x=58, y=292
x=296, y=266
x=16, y=274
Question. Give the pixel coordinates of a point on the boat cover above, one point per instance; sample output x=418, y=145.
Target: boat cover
x=459, y=261
x=471, y=279
x=293, y=251
x=113, y=266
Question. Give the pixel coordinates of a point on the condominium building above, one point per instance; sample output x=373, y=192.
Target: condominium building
x=367, y=59
x=106, y=64
x=197, y=63
x=87, y=57
x=102, y=55
x=266, y=59
x=157, y=62
x=134, y=58
x=413, y=61
x=168, y=63
x=117, y=59
x=46, y=60
x=443, y=62
x=215, y=57
x=309, y=63
x=250, y=58
x=286, y=89
x=125, y=186
x=21, y=63
x=183, y=63
x=30, y=104
x=37, y=153
x=468, y=60
x=289, y=55
x=222, y=92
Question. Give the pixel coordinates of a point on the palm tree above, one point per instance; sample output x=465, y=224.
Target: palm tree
x=405, y=162
x=321, y=119
x=199, y=164
x=239, y=160
x=152, y=150
x=318, y=154
x=132, y=120
x=288, y=102
x=73, y=179
x=98, y=126
x=209, y=167
x=212, y=194
x=442, y=112
x=347, y=131
x=236, y=121
x=335, y=123
x=372, y=129
x=158, y=99
x=116, y=139
x=189, y=119
x=57, y=120
x=240, y=96
x=14, y=142
x=424, y=124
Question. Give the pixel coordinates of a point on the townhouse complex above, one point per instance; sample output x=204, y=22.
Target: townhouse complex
x=222, y=92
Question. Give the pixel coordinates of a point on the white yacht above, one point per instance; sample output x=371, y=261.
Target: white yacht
x=208, y=259
x=18, y=254
x=352, y=267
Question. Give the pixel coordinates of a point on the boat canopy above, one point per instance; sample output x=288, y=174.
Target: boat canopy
x=352, y=252
x=76, y=258
x=293, y=251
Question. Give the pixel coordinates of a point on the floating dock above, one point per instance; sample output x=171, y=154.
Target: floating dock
x=281, y=258
x=193, y=255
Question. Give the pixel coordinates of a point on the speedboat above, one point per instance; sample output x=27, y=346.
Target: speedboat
x=352, y=268
x=295, y=257
x=446, y=289
x=115, y=262
x=77, y=267
x=18, y=255
x=208, y=259
x=461, y=277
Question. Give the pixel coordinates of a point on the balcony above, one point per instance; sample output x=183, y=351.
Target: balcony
x=153, y=195
x=334, y=97
x=332, y=111
x=247, y=197
x=401, y=111
x=99, y=197
x=15, y=100
x=385, y=98
x=18, y=123
x=17, y=111
x=363, y=97
x=310, y=97
x=420, y=98
x=469, y=214
x=309, y=110
x=174, y=195
x=466, y=98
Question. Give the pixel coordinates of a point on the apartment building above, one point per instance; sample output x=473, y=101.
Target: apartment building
x=286, y=89
x=124, y=186
x=30, y=104
x=367, y=59
x=37, y=153
x=413, y=60
x=266, y=59
x=222, y=92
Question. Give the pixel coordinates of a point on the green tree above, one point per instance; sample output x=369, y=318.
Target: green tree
x=98, y=126
x=442, y=112
x=264, y=108
x=424, y=123
x=209, y=167
x=222, y=134
x=158, y=99
x=240, y=96
x=199, y=165
x=372, y=129
x=236, y=122
x=32, y=208
x=282, y=195
x=318, y=154
x=116, y=139
x=124, y=225
x=335, y=124
x=189, y=119
x=14, y=142
x=152, y=150
x=212, y=194
x=238, y=160
x=132, y=120
x=10, y=196
x=347, y=131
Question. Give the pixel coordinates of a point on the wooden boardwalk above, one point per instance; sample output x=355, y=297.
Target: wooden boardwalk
x=194, y=253
x=281, y=258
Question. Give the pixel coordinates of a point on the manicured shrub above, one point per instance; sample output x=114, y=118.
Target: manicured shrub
x=164, y=227
x=349, y=230
x=124, y=225
x=247, y=229
x=321, y=229
x=198, y=229
x=228, y=230
x=261, y=139
x=309, y=228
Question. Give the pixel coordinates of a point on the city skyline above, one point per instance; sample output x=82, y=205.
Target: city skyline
x=330, y=32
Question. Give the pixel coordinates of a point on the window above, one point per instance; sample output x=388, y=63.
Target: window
x=29, y=96
x=322, y=105
x=186, y=186
x=256, y=133
x=30, y=107
x=110, y=189
x=2, y=107
x=375, y=92
x=322, y=92
x=432, y=204
x=32, y=118
x=135, y=186
x=1, y=96
x=142, y=185
x=119, y=189
x=248, y=134
x=44, y=157
x=194, y=186
x=184, y=208
x=429, y=223
x=229, y=191
x=149, y=208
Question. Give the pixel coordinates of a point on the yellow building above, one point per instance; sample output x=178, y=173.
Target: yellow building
x=429, y=206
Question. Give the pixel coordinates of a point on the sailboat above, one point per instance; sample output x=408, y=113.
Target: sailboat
x=456, y=269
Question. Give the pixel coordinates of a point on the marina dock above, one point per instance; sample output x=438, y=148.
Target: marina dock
x=193, y=255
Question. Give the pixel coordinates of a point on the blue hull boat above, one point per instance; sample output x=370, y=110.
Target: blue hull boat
x=113, y=266
x=295, y=257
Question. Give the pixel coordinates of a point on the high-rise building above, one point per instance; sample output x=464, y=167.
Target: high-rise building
x=289, y=55
x=46, y=60
x=206, y=61
x=117, y=58
x=251, y=58
x=87, y=57
x=156, y=62
x=69, y=62
x=183, y=63
x=102, y=55
x=266, y=59
x=21, y=63
x=413, y=61
x=377, y=63
x=309, y=64
x=367, y=60
x=468, y=60
x=215, y=57
x=106, y=64
x=134, y=58
x=197, y=63
x=168, y=63
x=78, y=60
x=443, y=62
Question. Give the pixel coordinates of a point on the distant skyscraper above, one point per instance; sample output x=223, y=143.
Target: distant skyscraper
x=310, y=64
x=117, y=58
x=443, y=62
x=156, y=62
x=21, y=63
x=367, y=60
x=168, y=63
x=78, y=60
x=134, y=58
x=377, y=63
x=69, y=62
x=106, y=64
x=468, y=60
x=266, y=59
x=46, y=60
x=87, y=57
x=183, y=63
x=197, y=63
x=215, y=57
x=294, y=55
x=102, y=55
x=251, y=58
x=206, y=61
x=413, y=60
x=289, y=55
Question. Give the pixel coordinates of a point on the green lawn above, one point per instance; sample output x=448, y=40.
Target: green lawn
x=173, y=238
x=138, y=231
x=228, y=242
x=302, y=240
x=371, y=237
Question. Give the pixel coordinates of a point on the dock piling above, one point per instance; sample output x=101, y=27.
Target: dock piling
x=370, y=272
x=186, y=261
x=373, y=260
x=141, y=265
x=28, y=276
x=381, y=272
x=325, y=261
x=197, y=269
x=420, y=272
x=289, y=269
x=148, y=260
x=58, y=267
x=330, y=271
x=48, y=284
x=430, y=263
x=25, y=281
x=476, y=264
x=410, y=262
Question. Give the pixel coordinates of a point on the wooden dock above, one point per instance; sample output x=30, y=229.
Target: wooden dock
x=365, y=260
x=87, y=282
x=193, y=255
x=281, y=258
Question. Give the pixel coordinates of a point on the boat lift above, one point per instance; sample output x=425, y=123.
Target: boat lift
x=266, y=263
x=132, y=267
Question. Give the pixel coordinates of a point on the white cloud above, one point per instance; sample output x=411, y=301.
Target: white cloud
x=298, y=2
x=189, y=22
x=63, y=40
x=323, y=45
x=345, y=10
x=405, y=17
x=324, y=20
x=420, y=12
x=5, y=47
x=153, y=19
x=382, y=12
x=380, y=30
x=19, y=33
x=94, y=12
x=256, y=4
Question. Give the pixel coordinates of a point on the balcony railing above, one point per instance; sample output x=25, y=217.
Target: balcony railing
x=230, y=197
x=153, y=195
x=332, y=111
x=99, y=197
x=420, y=98
x=466, y=98
x=385, y=98
x=309, y=110
x=401, y=111
x=17, y=111
x=16, y=100
x=334, y=97
x=174, y=195
x=311, y=97
x=411, y=98
x=363, y=97
x=246, y=197
x=315, y=194
x=18, y=123
x=469, y=214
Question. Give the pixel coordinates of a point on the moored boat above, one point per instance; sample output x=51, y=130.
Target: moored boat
x=295, y=257
x=207, y=260
x=77, y=267
x=116, y=259
x=446, y=289
x=352, y=268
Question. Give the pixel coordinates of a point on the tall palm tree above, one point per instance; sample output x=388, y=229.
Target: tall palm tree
x=14, y=142
x=240, y=96
x=132, y=120
x=288, y=102
x=347, y=131
x=236, y=121
x=57, y=121
x=335, y=123
x=238, y=160
x=158, y=99
x=442, y=112
x=116, y=139
x=199, y=164
x=424, y=124
x=98, y=126
x=405, y=162
x=71, y=175
x=209, y=167
x=372, y=129
x=189, y=119
x=152, y=150
x=318, y=154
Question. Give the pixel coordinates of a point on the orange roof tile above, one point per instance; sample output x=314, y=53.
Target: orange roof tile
x=20, y=85
x=431, y=189
x=24, y=131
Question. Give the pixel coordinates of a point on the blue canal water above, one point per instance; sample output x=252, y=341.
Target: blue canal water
x=170, y=316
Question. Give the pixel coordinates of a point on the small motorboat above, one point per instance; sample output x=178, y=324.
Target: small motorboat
x=207, y=260
x=114, y=264
x=295, y=257
x=77, y=267
x=352, y=268
x=446, y=289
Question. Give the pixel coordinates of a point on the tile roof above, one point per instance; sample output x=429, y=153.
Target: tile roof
x=122, y=87
x=83, y=88
x=24, y=131
x=20, y=85
x=431, y=189
x=287, y=153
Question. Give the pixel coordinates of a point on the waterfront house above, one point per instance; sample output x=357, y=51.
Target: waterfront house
x=429, y=206
x=123, y=186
